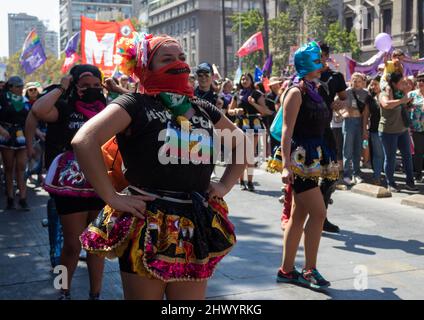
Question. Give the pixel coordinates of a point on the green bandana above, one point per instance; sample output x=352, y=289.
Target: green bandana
x=16, y=101
x=176, y=103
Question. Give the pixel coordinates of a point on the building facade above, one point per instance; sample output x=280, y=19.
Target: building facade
x=198, y=26
x=370, y=17
x=52, y=43
x=20, y=26
x=71, y=11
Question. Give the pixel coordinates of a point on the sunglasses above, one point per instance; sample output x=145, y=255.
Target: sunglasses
x=32, y=90
x=420, y=80
x=203, y=75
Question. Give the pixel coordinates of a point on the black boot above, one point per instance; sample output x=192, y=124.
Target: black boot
x=250, y=186
x=329, y=227
x=243, y=186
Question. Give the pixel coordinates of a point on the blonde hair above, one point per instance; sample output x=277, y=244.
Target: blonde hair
x=357, y=75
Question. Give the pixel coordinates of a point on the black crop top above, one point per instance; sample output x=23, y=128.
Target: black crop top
x=145, y=145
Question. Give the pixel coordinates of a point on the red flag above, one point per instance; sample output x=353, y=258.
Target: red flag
x=69, y=62
x=255, y=42
x=98, y=42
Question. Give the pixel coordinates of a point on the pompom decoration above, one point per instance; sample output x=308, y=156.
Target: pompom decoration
x=127, y=53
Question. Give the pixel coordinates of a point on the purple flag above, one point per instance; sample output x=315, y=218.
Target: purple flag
x=72, y=45
x=370, y=67
x=267, y=69
x=32, y=56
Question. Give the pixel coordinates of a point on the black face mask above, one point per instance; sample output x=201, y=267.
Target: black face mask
x=91, y=95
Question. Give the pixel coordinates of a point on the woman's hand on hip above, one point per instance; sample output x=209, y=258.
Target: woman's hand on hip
x=136, y=205
x=217, y=189
x=287, y=175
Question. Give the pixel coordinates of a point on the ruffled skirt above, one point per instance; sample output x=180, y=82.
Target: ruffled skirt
x=174, y=242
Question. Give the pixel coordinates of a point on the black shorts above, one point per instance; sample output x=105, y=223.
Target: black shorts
x=302, y=185
x=69, y=205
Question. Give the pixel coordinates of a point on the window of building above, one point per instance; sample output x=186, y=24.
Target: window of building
x=193, y=23
x=367, y=32
x=349, y=23
x=387, y=21
x=185, y=46
x=193, y=42
x=409, y=14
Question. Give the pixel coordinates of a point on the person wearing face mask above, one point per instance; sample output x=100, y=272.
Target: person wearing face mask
x=66, y=108
x=306, y=158
x=14, y=108
x=170, y=190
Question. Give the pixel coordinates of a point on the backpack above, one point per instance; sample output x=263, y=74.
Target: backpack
x=113, y=161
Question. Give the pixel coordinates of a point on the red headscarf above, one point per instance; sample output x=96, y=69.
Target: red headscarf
x=172, y=78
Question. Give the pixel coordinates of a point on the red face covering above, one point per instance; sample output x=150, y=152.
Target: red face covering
x=172, y=78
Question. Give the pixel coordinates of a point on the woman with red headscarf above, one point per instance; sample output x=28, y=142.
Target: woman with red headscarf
x=169, y=228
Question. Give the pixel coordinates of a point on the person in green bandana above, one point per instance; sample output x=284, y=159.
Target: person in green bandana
x=14, y=108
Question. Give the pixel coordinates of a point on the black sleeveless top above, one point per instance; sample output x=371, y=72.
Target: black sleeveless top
x=312, y=118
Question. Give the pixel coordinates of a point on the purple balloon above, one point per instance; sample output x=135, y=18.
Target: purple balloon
x=383, y=42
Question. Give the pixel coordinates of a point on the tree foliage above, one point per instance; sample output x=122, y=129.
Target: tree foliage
x=251, y=22
x=340, y=40
x=48, y=73
x=318, y=19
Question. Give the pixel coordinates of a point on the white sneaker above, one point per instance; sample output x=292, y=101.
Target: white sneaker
x=347, y=181
x=357, y=179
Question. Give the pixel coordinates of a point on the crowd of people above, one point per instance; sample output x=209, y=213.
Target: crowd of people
x=168, y=222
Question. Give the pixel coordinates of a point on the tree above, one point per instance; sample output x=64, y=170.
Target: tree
x=340, y=40
x=284, y=32
x=251, y=22
x=48, y=73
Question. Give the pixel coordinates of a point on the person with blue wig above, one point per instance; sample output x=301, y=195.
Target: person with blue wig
x=306, y=158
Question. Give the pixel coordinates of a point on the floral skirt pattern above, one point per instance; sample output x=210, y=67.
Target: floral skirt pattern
x=311, y=159
x=174, y=242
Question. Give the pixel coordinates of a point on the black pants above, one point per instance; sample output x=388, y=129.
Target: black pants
x=329, y=186
x=417, y=158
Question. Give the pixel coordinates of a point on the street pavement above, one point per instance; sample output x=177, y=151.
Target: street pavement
x=379, y=254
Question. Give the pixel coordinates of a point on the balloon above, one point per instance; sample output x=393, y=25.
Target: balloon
x=383, y=42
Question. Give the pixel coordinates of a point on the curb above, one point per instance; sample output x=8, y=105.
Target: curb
x=371, y=190
x=416, y=200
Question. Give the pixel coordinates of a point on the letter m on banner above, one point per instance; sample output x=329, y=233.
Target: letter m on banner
x=98, y=42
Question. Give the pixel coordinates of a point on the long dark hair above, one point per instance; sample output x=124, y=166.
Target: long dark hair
x=252, y=83
x=393, y=79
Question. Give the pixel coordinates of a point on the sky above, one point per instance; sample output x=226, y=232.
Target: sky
x=45, y=10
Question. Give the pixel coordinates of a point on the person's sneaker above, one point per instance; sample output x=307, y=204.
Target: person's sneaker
x=313, y=279
x=288, y=277
x=347, y=181
x=10, y=204
x=64, y=295
x=94, y=296
x=23, y=205
x=411, y=187
x=250, y=186
x=329, y=227
x=357, y=180
x=243, y=186
x=281, y=199
x=393, y=189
